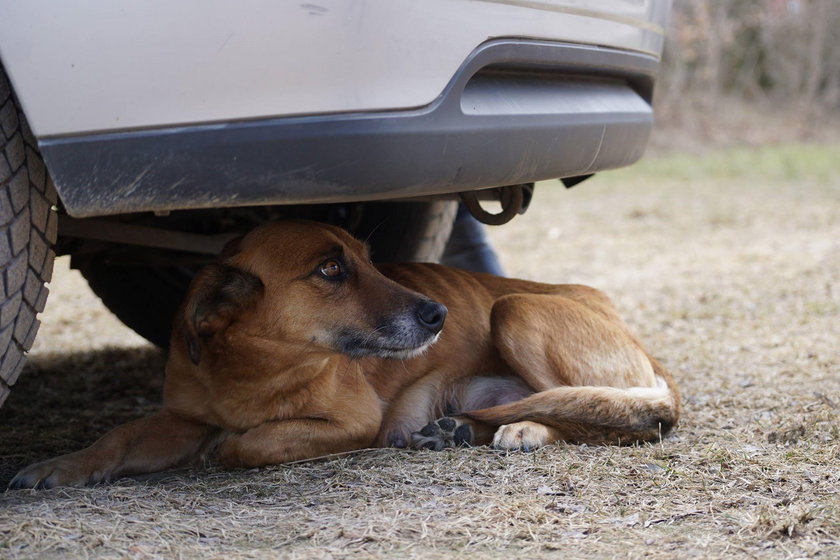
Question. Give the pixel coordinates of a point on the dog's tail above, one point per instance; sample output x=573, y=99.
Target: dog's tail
x=595, y=415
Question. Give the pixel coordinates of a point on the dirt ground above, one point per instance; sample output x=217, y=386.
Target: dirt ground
x=727, y=266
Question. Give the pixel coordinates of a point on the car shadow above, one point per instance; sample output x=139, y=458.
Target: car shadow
x=63, y=402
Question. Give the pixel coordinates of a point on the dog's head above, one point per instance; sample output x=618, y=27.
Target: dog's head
x=306, y=285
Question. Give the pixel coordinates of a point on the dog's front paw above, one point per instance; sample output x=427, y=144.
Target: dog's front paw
x=397, y=437
x=441, y=434
x=61, y=471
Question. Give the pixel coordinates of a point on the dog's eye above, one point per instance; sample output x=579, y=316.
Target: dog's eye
x=331, y=268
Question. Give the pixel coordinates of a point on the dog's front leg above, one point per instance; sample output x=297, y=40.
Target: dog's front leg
x=282, y=441
x=163, y=441
x=415, y=407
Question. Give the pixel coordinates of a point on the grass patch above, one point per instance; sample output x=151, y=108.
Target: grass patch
x=815, y=163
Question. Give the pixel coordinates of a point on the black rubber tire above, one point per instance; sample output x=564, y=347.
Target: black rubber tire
x=28, y=226
x=146, y=298
x=407, y=231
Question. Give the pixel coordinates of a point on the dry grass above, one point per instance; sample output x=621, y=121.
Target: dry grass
x=726, y=266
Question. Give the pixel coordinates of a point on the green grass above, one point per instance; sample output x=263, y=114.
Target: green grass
x=817, y=163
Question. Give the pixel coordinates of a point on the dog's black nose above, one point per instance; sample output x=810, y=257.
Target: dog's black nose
x=431, y=315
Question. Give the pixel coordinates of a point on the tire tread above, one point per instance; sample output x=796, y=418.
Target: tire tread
x=27, y=232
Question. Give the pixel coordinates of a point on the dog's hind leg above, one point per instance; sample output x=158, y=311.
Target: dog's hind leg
x=595, y=382
x=582, y=414
x=553, y=340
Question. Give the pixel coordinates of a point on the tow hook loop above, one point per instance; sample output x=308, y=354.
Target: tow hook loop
x=512, y=199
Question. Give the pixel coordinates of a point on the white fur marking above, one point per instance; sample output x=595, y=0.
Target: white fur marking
x=661, y=391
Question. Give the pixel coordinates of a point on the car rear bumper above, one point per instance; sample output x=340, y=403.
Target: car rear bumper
x=102, y=66
x=515, y=111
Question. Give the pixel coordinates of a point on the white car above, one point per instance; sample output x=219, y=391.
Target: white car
x=157, y=130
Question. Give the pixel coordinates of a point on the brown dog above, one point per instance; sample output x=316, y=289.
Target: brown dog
x=295, y=346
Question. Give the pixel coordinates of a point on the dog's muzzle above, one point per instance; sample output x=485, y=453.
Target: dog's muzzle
x=403, y=335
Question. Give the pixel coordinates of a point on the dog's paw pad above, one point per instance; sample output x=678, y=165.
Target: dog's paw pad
x=430, y=430
x=442, y=434
x=447, y=424
x=463, y=435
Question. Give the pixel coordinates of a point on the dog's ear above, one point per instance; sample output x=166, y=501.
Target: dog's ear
x=231, y=248
x=218, y=294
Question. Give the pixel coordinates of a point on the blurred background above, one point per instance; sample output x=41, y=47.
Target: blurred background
x=749, y=72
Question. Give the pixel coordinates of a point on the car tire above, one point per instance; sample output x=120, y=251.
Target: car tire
x=407, y=231
x=28, y=226
x=145, y=298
